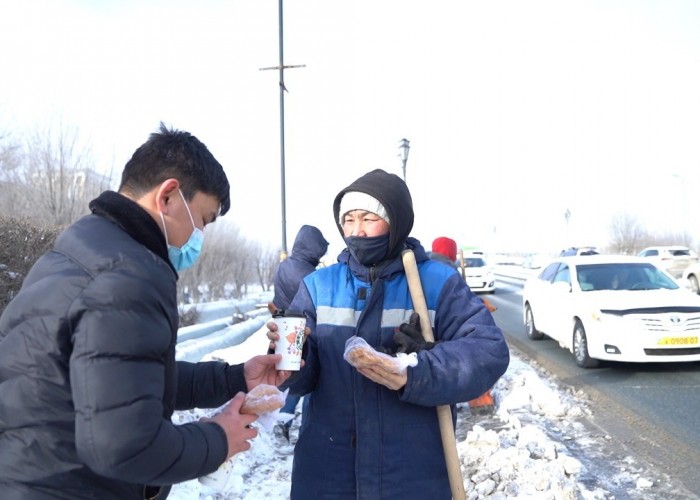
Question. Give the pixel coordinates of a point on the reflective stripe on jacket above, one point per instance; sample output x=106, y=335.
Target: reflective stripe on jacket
x=363, y=440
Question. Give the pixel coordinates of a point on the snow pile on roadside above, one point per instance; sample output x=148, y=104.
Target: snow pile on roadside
x=518, y=462
x=515, y=457
x=533, y=447
x=536, y=446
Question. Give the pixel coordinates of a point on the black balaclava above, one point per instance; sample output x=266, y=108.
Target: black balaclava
x=391, y=191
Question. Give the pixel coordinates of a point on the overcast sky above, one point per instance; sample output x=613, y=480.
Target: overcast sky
x=517, y=111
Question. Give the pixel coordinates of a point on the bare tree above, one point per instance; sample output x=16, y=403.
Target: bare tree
x=226, y=266
x=58, y=173
x=223, y=244
x=206, y=272
x=672, y=238
x=242, y=267
x=50, y=173
x=52, y=177
x=267, y=263
x=13, y=192
x=9, y=154
x=627, y=235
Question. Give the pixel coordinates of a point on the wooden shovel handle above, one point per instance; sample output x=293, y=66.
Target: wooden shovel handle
x=447, y=431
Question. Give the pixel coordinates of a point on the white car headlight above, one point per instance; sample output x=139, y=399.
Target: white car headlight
x=598, y=315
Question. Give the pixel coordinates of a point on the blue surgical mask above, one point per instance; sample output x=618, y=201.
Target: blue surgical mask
x=368, y=251
x=185, y=256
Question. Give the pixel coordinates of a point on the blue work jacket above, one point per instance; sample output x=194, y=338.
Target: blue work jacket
x=358, y=438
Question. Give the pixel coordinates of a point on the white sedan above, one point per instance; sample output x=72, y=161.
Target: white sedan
x=612, y=307
x=478, y=274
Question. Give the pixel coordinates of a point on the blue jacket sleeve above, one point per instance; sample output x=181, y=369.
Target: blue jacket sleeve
x=469, y=358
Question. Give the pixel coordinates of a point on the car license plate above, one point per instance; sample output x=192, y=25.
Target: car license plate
x=677, y=341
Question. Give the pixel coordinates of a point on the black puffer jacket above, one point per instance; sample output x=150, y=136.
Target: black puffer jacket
x=309, y=246
x=88, y=377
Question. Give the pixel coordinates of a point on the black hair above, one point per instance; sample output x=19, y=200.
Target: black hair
x=171, y=153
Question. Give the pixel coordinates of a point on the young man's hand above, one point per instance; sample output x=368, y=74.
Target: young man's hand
x=261, y=370
x=235, y=425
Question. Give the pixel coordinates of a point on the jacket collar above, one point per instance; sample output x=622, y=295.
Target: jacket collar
x=133, y=220
x=387, y=269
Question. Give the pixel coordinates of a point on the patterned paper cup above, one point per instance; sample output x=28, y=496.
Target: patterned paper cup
x=290, y=327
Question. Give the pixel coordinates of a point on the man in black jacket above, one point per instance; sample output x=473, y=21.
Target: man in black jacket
x=88, y=377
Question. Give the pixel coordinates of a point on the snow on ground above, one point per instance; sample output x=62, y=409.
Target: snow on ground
x=535, y=445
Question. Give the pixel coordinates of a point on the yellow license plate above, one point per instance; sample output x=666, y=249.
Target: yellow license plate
x=677, y=341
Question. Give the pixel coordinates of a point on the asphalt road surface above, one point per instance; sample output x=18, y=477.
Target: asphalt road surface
x=652, y=410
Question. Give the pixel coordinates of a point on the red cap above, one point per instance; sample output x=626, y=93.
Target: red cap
x=445, y=246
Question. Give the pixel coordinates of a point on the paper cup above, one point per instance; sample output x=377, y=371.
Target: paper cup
x=219, y=479
x=290, y=327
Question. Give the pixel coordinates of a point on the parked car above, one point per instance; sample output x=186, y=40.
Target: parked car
x=692, y=274
x=578, y=251
x=534, y=260
x=478, y=274
x=673, y=259
x=612, y=307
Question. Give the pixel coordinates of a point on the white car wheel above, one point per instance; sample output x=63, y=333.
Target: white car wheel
x=530, y=329
x=581, y=348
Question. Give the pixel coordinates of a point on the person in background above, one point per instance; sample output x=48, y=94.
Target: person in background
x=374, y=433
x=308, y=249
x=309, y=246
x=445, y=250
x=88, y=376
x=619, y=281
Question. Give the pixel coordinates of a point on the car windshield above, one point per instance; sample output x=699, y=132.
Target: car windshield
x=578, y=251
x=680, y=252
x=623, y=276
x=474, y=262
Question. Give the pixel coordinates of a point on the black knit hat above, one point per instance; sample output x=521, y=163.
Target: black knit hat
x=393, y=194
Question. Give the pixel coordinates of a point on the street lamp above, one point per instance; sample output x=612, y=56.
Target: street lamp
x=404, y=147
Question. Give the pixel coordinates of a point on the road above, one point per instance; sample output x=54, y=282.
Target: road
x=652, y=410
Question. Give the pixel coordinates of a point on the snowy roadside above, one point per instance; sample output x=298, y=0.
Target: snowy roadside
x=537, y=445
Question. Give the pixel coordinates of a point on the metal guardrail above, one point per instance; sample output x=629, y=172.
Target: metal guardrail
x=515, y=272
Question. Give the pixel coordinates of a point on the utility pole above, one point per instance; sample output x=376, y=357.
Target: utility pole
x=281, y=67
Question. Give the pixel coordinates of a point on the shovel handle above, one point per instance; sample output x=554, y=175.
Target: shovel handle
x=447, y=431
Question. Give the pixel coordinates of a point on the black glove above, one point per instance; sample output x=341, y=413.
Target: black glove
x=385, y=350
x=409, y=337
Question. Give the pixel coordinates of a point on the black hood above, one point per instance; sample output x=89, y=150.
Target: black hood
x=393, y=194
x=309, y=245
